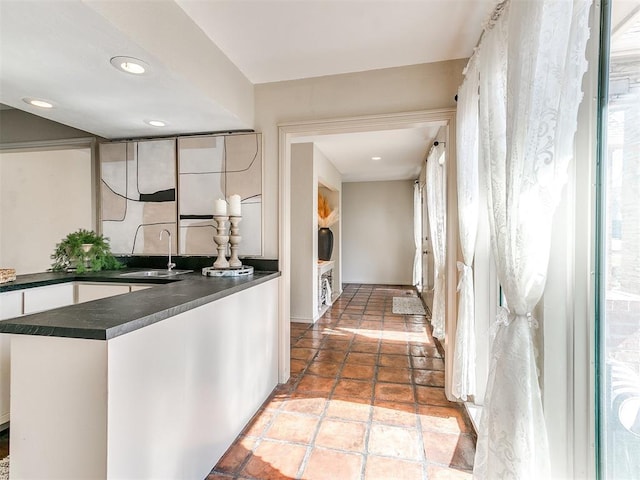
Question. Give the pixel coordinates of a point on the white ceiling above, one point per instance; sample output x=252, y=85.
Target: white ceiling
x=274, y=40
x=402, y=152
x=60, y=51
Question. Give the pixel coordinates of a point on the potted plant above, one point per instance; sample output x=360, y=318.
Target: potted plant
x=83, y=251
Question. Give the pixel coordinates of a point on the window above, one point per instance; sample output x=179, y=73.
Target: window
x=619, y=232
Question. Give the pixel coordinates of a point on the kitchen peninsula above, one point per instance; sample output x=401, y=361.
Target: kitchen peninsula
x=156, y=383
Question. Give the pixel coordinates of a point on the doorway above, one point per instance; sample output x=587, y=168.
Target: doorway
x=287, y=134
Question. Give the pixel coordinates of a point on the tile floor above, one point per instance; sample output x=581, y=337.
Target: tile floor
x=365, y=401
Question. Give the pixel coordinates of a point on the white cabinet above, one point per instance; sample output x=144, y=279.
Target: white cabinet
x=85, y=292
x=5, y=377
x=205, y=371
x=10, y=306
x=38, y=299
x=14, y=304
x=47, y=298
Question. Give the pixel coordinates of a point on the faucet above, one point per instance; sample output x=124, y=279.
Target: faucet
x=170, y=265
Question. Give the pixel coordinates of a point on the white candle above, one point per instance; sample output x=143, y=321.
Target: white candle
x=234, y=206
x=220, y=208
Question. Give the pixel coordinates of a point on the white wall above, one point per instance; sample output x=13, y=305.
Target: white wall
x=44, y=196
x=377, y=232
x=391, y=90
x=402, y=89
x=311, y=171
x=304, y=240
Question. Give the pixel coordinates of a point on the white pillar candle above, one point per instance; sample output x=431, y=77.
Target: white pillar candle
x=220, y=208
x=234, y=206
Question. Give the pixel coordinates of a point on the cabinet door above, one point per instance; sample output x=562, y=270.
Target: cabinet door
x=46, y=298
x=85, y=292
x=10, y=307
x=5, y=376
x=10, y=304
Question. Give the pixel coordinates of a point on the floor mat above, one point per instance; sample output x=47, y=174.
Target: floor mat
x=408, y=306
x=4, y=469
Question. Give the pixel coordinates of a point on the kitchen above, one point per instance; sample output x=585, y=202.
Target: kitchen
x=280, y=108
x=20, y=129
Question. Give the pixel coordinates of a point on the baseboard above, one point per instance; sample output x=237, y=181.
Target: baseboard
x=302, y=319
x=322, y=311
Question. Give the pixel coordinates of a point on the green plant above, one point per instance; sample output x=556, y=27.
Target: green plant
x=70, y=253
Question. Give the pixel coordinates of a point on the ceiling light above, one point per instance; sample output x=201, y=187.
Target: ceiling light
x=36, y=102
x=376, y=158
x=131, y=65
x=156, y=123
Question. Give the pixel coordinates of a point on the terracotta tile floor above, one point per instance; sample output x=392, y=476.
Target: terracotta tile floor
x=365, y=401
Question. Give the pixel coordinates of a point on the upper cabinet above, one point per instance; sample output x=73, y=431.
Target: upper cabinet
x=138, y=195
x=151, y=185
x=218, y=166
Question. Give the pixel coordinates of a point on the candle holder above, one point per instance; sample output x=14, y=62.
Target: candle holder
x=221, y=239
x=234, y=240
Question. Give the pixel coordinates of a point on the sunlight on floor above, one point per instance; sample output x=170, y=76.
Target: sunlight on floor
x=365, y=401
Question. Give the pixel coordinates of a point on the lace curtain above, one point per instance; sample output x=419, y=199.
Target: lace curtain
x=463, y=383
x=436, y=208
x=531, y=66
x=417, y=235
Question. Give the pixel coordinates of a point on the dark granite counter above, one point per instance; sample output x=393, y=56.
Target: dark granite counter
x=114, y=316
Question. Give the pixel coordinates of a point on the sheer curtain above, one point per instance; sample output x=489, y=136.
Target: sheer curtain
x=417, y=234
x=463, y=383
x=437, y=210
x=531, y=65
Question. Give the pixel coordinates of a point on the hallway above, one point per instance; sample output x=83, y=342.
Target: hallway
x=365, y=401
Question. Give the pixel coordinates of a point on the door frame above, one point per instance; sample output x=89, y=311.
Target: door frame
x=390, y=121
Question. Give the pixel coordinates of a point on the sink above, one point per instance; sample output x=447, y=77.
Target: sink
x=155, y=273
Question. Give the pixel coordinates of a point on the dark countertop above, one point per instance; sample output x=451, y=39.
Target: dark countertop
x=111, y=317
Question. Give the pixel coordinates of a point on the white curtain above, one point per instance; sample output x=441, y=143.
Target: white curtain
x=463, y=383
x=437, y=210
x=531, y=65
x=417, y=235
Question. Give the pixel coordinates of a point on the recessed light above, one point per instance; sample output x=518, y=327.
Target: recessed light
x=376, y=158
x=156, y=123
x=131, y=65
x=36, y=102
